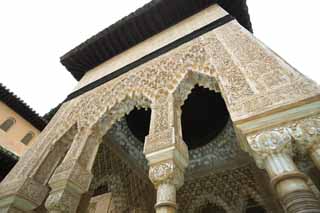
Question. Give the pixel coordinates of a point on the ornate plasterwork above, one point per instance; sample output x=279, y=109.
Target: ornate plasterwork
x=73, y=176
x=217, y=153
x=306, y=133
x=255, y=79
x=166, y=172
x=292, y=137
x=267, y=143
x=251, y=78
x=213, y=156
x=129, y=189
x=228, y=189
x=121, y=135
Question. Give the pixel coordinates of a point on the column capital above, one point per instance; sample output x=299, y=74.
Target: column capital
x=306, y=133
x=263, y=144
x=166, y=172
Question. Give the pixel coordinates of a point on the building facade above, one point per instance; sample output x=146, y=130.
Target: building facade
x=19, y=127
x=179, y=108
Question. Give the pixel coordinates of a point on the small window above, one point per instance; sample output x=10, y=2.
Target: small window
x=27, y=138
x=5, y=126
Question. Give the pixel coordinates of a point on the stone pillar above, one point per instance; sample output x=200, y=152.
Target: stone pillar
x=73, y=177
x=272, y=151
x=307, y=138
x=166, y=153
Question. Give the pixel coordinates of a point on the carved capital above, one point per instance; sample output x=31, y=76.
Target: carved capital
x=166, y=172
x=63, y=201
x=266, y=143
x=71, y=174
x=307, y=134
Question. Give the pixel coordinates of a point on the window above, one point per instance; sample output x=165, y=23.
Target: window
x=27, y=138
x=5, y=126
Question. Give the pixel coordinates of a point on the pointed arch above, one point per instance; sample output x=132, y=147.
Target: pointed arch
x=120, y=109
x=192, y=78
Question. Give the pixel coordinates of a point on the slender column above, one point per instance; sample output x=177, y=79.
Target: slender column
x=73, y=177
x=307, y=137
x=272, y=151
x=166, y=152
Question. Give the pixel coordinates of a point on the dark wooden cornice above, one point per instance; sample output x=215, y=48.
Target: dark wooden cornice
x=145, y=22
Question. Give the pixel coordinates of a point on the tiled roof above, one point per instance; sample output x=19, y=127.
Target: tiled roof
x=20, y=107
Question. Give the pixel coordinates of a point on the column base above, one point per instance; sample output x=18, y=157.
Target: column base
x=165, y=209
x=302, y=201
x=166, y=204
x=294, y=193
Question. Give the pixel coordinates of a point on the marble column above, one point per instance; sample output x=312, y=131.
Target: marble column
x=272, y=151
x=73, y=176
x=307, y=138
x=166, y=153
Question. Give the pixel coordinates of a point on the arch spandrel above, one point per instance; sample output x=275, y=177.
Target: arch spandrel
x=145, y=84
x=252, y=79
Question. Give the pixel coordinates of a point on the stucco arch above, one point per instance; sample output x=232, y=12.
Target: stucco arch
x=124, y=107
x=192, y=78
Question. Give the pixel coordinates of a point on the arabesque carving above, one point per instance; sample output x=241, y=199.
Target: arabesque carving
x=266, y=143
x=251, y=78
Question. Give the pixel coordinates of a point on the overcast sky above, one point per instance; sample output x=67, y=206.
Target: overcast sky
x=35, y=33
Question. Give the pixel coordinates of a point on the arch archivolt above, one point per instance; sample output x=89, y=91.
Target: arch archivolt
x=209, y=61
x=172, y=72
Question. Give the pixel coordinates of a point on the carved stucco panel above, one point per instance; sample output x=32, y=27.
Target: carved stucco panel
x=306, y=133
x=252, y=79
x=293, y=137
x=274, y=82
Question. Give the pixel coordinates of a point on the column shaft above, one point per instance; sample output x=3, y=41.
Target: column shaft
x=166, y=152
x=315, y=156
x=73, y=177
x=290, y=185
x=166, y=198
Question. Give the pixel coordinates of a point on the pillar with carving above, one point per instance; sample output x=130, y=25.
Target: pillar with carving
x=73, y=177
x=272, y=151
x=166, y=152
x=307, y=138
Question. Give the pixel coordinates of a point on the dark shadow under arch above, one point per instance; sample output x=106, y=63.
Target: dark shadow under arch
x=204, y=115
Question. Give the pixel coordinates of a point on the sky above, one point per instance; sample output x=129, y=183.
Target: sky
x=35, y=33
